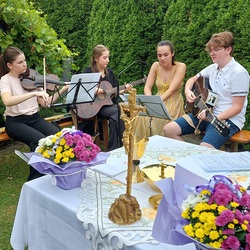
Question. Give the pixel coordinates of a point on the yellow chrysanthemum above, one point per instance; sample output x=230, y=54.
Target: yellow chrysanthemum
x=211, y=219
x=198, y=225
x=203, y=217
x=214, y=235
x=215, y=244
x=57, y=161
x=234, y=204
x=213, y=206
x=231, y=225
x=200, y=207
x=205, y=192
x=65, y=159
x=189, y=230
x=185, y=214
x=221, y=209
x=195, y=214
x=235, y=221
x=244, y=227
x=62, y=142
x=199, y=233
x=59, y=149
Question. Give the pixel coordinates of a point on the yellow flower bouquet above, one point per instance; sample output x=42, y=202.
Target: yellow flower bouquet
x=214, y=215
x=66, y=156
x=218, y=215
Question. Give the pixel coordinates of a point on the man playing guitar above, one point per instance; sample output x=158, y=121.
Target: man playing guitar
x=230, y=82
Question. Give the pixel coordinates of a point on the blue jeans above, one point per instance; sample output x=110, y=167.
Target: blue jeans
x=211, y=136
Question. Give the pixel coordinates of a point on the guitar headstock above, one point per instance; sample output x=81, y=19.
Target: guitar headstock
x=222, y=127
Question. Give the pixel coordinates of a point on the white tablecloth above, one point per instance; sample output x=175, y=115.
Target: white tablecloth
x=50, y=218
x=46, y=220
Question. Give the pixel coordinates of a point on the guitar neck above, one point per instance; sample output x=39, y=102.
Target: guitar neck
x=122, y=87
x=201, y=105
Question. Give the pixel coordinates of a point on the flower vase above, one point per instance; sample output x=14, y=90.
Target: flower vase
x=68, y=179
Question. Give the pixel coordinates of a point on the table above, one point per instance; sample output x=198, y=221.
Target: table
x=49, y=218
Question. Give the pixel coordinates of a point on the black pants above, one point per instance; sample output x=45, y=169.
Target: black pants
x=29, y=129
x=116, y=125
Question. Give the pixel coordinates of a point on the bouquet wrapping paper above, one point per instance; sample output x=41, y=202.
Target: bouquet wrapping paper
x=68, y=175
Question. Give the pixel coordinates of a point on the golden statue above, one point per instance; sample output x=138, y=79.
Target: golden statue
x=126, y=210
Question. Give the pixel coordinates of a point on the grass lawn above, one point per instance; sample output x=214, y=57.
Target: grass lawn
x=13, y=173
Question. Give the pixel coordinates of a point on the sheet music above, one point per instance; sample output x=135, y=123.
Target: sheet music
x=154, y=106
x=88, y=85
x=224, y=162
x=87, y=82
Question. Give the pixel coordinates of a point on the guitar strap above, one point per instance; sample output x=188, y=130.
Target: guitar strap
x=190, y=122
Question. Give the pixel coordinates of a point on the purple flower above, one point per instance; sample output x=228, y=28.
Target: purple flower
x=239, y=216
x=225, y=217
x=247, y=247
x=245, y=200
x=248, y=238
x=228, y=232
x=222, y=195
x=231, y=242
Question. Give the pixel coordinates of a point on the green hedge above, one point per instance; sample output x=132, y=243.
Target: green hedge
x=132, y=29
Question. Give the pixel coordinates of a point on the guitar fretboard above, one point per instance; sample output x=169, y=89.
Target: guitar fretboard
x=221, y=126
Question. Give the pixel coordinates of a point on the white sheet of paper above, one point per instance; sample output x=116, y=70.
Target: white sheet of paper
x=224, y=161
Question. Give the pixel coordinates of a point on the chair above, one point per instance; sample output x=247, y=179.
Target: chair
x=101, y=138
x=104, y=139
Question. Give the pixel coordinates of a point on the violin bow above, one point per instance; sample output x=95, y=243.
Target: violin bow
x=44, y=74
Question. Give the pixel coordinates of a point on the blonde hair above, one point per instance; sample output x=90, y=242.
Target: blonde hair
x=223, y=39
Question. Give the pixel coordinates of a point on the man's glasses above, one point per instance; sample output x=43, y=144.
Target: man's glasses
x=215, y=50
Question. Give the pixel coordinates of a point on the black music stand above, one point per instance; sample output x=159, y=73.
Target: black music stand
x=154, y=108
x=82, y=89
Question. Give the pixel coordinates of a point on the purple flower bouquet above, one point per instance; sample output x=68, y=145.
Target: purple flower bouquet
x=68, y=175
x=66, y=155
x=215, y=215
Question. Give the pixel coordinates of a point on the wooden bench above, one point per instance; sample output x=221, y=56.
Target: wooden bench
x=242, y=137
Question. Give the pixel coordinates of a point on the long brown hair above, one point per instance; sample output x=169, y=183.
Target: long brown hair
x=8, y=56
x=96, y=53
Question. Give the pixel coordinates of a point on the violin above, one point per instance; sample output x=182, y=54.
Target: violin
x=31, y=80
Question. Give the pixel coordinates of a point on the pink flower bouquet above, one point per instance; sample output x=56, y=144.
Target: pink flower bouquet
x=66, y=156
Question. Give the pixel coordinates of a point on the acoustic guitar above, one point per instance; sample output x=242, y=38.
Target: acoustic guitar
x=201, y=102
x=88, y=110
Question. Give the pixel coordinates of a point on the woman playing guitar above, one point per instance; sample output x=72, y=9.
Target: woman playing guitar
x=99, y=63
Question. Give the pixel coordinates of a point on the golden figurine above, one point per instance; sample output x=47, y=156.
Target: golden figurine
x=126, y=210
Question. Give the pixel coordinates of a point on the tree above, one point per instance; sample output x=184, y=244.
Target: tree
x=25, y=27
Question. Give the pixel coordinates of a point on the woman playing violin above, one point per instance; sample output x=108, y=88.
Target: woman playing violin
x=99, y=63
x=23, y=122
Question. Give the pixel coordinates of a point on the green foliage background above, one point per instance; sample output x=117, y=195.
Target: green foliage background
x=130, y=28
x=66, y=31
